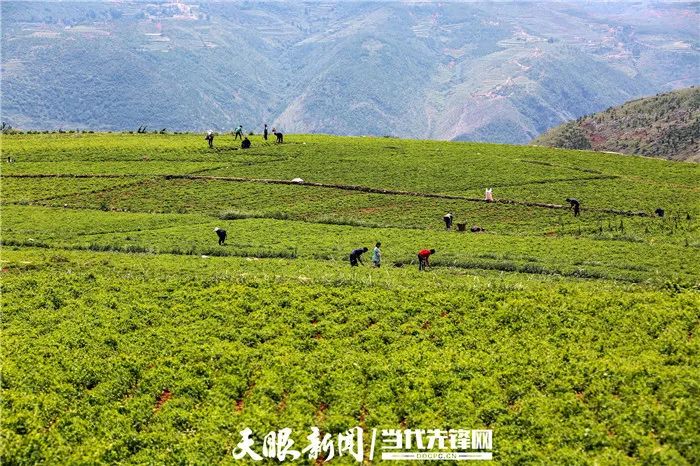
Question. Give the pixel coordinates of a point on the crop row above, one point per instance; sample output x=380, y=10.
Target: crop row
x=110, y=358
x=20, y=190
x=317, y=204
x=192, y=234
x=525, y=174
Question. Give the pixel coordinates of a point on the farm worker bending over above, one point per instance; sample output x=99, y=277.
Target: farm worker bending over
x=574, y=205
x=424, y=258
x=246, y=143
x=355, y=256
x=448, y=220
x=221, y=234
x=488, y=195
x=377, y=255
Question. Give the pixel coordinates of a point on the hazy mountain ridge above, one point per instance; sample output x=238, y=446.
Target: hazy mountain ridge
x=665, y=125
x=466, y=71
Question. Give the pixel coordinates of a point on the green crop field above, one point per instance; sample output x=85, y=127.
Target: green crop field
x=129, y=336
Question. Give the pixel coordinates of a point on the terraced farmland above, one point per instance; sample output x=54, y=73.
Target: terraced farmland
x=130, y=335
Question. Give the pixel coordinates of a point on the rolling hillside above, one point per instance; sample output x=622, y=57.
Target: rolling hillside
x=666, y=125
x=499, y=72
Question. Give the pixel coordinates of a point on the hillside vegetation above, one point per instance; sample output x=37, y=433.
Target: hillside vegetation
x=666, y=125
x=130, y=336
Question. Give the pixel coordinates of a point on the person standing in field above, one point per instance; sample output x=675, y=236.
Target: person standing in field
x=239, y=133
x=210, y=138
x=265, y=133
x=356, y=256
x=377, y=255
x=448, y=220
x=424, y=258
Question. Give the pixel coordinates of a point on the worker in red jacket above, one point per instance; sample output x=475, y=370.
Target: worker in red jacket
x=424, y=258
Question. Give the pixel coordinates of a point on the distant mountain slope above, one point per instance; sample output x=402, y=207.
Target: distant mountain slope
x=473, y=71
x=666, y=125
